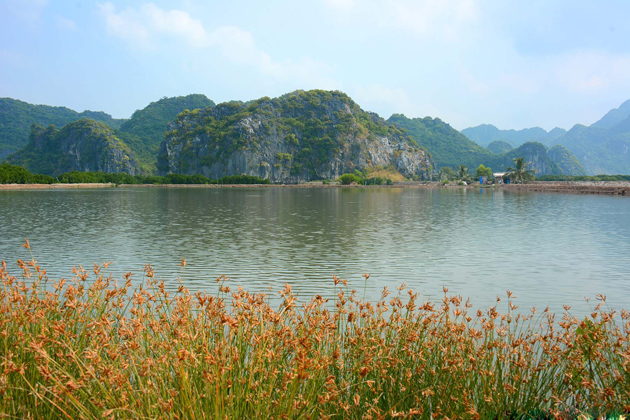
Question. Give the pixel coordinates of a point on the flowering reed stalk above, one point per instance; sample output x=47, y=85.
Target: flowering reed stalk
x=91, y=348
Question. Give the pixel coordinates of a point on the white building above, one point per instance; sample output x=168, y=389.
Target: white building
x=498, y=177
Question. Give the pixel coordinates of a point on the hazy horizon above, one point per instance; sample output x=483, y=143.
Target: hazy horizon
x=468, y=62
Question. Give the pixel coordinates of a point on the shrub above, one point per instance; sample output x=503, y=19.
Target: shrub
x=11, y=174
x=284, y=157
x=243, y=179
x=89, y=347
x=347, y=179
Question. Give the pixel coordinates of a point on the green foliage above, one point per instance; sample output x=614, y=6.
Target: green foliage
x=499, y=147
x=531, y=152
x=291, y=140
x=566, y=161
x=520, y=173
x=447, y=174
x=362, y=178
x=145, y=130
x=284, y=157
x=347, y=179
x=243, y=179
x=314, y=125
x=17, y=117
x=84, y=145
x=600, y=150
x=483, y=171
x=447, y=146
x=462, y=174
x=10, y=174
x=378, y=181
x=296, y=169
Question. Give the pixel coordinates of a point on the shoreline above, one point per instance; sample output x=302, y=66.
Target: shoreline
x=575, y=187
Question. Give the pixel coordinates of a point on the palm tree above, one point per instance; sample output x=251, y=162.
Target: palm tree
x=462, y=173
x=520, y=173
x=446, y=173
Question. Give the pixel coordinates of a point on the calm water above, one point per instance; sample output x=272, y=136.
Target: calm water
x=549, y=249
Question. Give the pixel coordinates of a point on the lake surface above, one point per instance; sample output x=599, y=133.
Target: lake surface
x=548, y=249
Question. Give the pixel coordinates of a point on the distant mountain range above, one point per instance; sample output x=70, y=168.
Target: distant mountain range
x=486, y=133
x=451, y=148
x=602, y=148
x=84, y=145
x=299, y=136
x=142, y=133
x=16, y=118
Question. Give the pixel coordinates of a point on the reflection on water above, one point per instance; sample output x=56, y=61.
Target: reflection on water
x=549, y=249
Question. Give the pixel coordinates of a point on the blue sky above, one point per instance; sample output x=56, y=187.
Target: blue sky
x=514, y=64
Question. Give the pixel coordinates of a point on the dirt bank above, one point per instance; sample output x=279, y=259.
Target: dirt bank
x=611, y=188
x=579, y=187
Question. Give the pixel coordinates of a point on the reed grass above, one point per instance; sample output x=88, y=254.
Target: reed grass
x=88, y=347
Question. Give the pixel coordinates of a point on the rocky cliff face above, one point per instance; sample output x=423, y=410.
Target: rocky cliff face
x=566, y=161
x=84, y=145
x=536, y=155
x=297, y=137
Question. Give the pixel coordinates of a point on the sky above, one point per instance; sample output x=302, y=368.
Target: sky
x=514, y=64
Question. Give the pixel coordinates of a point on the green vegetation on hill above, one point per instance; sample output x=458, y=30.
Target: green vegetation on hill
x=452, y=149
x=499, y=147
x=566, y=160
x=16, y=118
x=448, y=146
x=144, y=131
x=293, y=137
x=535, y=155
x=600, y=150
x=83, y=145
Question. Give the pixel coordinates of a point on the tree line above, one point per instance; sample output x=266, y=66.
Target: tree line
x=11, y=174
x=519, y=173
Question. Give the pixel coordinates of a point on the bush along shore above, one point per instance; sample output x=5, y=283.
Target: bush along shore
x=10, y=174
x=90, y=347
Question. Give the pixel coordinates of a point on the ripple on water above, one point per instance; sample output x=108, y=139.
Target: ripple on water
x=546, y=248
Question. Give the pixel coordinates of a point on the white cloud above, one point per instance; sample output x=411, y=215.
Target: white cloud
x=592, y=72
x=473, y=84
x=390, y=100
x=518, y=82
x=149, y=26
x=65, y=23
x=340, y=4
x=174, y=22
x=29, y=11
x=443, y=19
x=125, y=25
x=12, y=58
x=378, y=93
